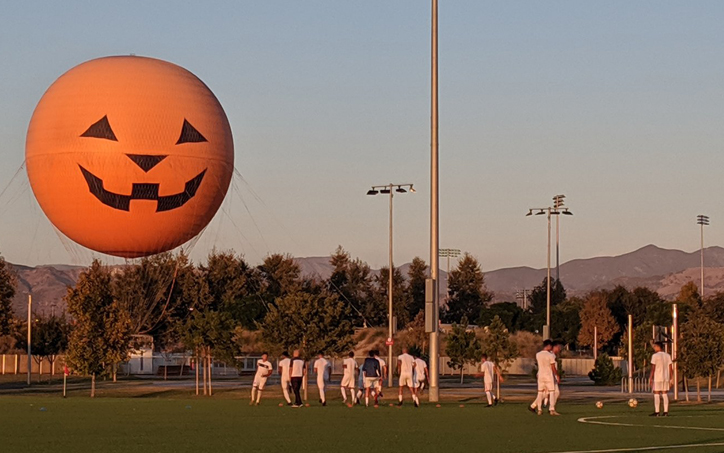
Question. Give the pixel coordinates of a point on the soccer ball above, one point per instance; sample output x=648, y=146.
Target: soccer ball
x=599, y=404
x=633, y=402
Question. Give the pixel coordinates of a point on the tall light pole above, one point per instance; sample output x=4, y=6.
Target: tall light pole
x=432, y=308
x=449, y=253
x=702, y=220
x=30, y=335
x=549, y=211
x=558, y=202
x=390, y=189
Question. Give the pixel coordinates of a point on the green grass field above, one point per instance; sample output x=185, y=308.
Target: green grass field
x=185, y=424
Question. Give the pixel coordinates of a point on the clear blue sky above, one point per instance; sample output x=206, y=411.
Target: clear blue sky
x=617, y=104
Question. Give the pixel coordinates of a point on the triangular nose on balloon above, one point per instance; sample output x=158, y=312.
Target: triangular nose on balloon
x=145, y=161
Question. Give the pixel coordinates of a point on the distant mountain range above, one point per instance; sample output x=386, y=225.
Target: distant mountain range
x=659, y=269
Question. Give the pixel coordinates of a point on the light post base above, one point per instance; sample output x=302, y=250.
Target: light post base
x=546, y=332
x=433, y=394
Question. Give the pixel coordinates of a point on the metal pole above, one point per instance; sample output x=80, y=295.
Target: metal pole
x=630, y=353
x=389, y=308
x=558, y=235
x=434, y=214
x=674, y=347
x=595, y=343
x=547, y=328
x=701, y=290
x=30, y=335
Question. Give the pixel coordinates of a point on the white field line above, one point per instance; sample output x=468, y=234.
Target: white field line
x=596, y=421
x=659, y=448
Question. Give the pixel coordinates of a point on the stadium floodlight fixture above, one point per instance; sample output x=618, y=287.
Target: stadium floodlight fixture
x=566, y=212
x=702, y=220
x=400, y=190
x=372, y=192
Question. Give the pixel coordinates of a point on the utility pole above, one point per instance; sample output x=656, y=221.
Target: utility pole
x=30, y=335
x=702, y=220
x=432, y=312
x=390, y=189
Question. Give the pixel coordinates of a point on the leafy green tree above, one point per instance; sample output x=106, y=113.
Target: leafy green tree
x=352, y=281
x=497, y=344
x=596, y=316
x=416, y=276
x=280, y=276
x=604, y=372
x=209, y=334
x=567, y=320
x=462, y=347
x=467, y=295
x=310, y=322
x=538, y=297
x=416, y=338
x=8, y=282
x=701, y=347
x=227, y=283
x=689, y=295
x=101, y=334
x=152, y=294
x=50, y=338
x=400, y=299
x=510, y=313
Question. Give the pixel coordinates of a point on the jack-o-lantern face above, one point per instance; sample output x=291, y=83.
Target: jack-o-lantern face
x=129, y=156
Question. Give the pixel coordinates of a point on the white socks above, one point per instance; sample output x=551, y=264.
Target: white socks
x=321, y=395
x=490, y=398
x=399, y=397
x=552, y=402
x=665, y=396
x=657, y=402
x=538, y=403
x=258, y=396
x=285, y=390
x=344, y=394
x=253, y=393
x=367, y=400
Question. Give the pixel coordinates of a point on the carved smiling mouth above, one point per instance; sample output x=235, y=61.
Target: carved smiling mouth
x=144, y=191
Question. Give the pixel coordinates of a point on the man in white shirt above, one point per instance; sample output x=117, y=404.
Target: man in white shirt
x=297, y=372
x=349, y=366
x=286, y=381
x=263, y=371
x=557, y=346
x=320, y=368
x=662, y=371
x=406, y=370
x=421, y=375
x=383, y=370
x=547, y=378
x=489, y=370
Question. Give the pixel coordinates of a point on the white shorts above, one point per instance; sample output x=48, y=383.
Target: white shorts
x=371, y=382
x=286, y=383
x=406, y=380
x=259, y=383
x=347, y=381
x=661, y=386
x=548, y=386
x=488, y=384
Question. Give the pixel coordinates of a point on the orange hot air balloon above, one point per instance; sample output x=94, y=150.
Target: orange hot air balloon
x=129, y=156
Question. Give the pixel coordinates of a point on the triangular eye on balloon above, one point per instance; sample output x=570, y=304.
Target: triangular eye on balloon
x=189, y=134
x=100, y=129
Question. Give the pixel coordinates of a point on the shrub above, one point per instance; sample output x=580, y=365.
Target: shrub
x=604, y=373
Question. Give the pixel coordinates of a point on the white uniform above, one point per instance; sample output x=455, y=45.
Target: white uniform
x=546, y=380
x=488, y=370
x=284, y=366
x=350, y=366
x=407, y=367
x=662, y=378
x=320, y=367
x=420, y=367
x=263, y=371
x=286, y=380
x=378, y=385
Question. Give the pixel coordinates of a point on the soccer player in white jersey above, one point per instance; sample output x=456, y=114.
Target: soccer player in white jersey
x=489, y=370
x=547, y=378
x=349, y=365
x=406, y=370
x=263, y=371
x=557, y=346
x=380, y=383
x=662, y=371
x=421, y=374
x=286, y=379
x=320, y=367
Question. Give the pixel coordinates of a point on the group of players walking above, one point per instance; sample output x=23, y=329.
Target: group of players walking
x=412, y=373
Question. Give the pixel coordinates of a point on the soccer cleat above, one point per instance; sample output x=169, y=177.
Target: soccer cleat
x=289, y=404
x=400, y=403
x=488, y=405
x=495, y=401
x=540, y=412
x=554, y=413
x=324, y=403
x=417, y=404
x=532, y=409
x=251, y=403
x=665, y=414
x=654, y=414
